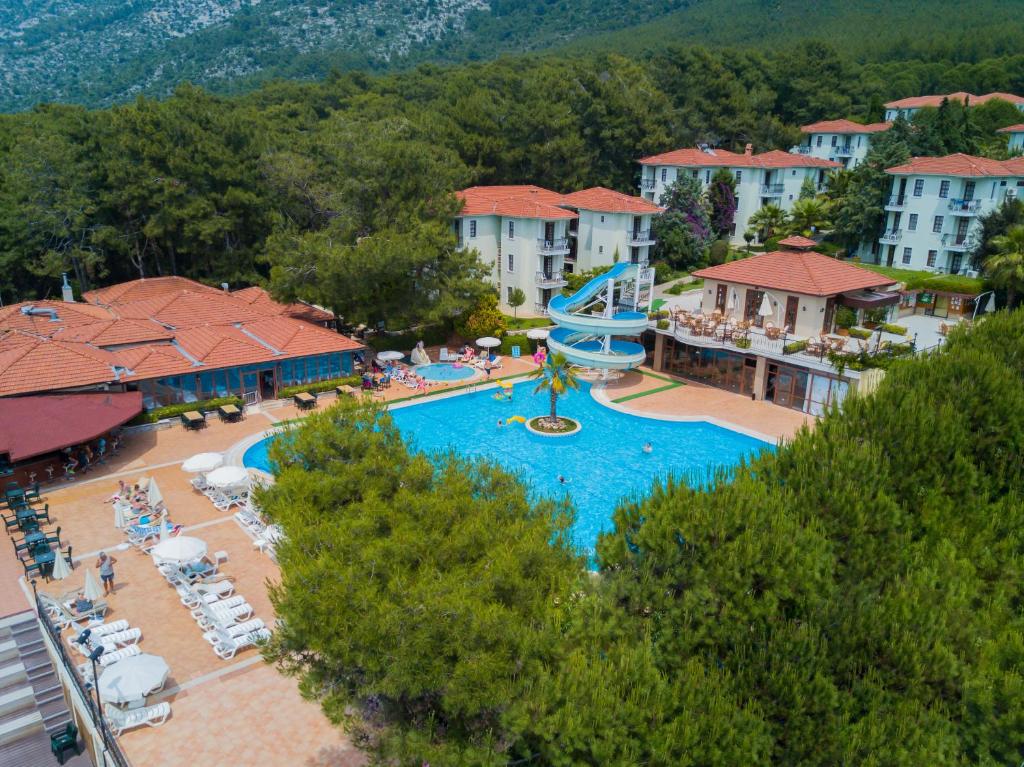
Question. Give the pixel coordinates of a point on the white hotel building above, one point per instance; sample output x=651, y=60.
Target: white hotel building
x=532, y=237
x=932, y=214
x=843, y=141
x=761, y=179
x=908, y=107
x=1015, y=134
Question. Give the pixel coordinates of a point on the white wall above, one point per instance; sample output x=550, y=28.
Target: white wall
x=846, y=148
x=810, y=314
x=600, y=233
x=1016, y=143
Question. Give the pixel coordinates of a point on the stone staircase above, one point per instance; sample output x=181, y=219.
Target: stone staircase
x=32, y=704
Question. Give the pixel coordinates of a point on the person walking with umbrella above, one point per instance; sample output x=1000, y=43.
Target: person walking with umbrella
x=105, y=564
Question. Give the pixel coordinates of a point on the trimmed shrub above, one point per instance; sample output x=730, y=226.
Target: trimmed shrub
x=662, y=324
x=794, y=347
x=742, y=343
x=845, y=317
x=319, y=386
x=860, y=333
x=896, y=329
x=719, y=252
x=434, y=335
x=169, y=411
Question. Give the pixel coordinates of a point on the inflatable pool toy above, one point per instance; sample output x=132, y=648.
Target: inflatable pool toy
x=515, y=419
x=505, y=395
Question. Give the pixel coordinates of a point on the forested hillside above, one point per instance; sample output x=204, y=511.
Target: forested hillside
x=106, y=51
x=225, y=188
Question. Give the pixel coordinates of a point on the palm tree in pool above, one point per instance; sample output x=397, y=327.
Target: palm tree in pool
x=558, y=378
x=1005, y=268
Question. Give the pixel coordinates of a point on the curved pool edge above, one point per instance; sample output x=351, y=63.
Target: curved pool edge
x=599, y=394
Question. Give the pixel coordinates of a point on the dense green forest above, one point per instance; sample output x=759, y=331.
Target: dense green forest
x=853, y=598
x=106, y=51
x=299, y=175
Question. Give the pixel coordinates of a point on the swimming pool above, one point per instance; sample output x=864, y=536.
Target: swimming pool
x=602, y=464
x=445, y=371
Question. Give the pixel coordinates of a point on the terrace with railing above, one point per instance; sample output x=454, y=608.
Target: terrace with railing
x=558, y=245
x=964, y=207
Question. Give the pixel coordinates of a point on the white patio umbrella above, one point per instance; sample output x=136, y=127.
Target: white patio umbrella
x=227, y=476
x=390, y=356
x=488, y=342
x=92, y=590
x=202, y=463
x=163, y=525
x=180, y=550
x=766, y=307
x=60, y=566
x=153, y=494
x=132, y=679
x=119, y=509
x=731, y=306
x=537, y=334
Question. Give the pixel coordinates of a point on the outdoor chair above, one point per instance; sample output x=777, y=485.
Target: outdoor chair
x=444, y=355
x=117, y=640
x=516, y=351
x=11, y=523
x=33, y=569
x=223, y=604
x=55, y=537
x=121, y=720
x=225, y=645
x=63, y=617
x=44, y=515
x=32, y=494
x=104, y=629
x=211, y=619
x=203, y=593
x=62, y=741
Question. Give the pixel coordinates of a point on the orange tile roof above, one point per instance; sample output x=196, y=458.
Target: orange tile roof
x=513, y=201
x=917, y=102
x=143, y=289
x=115, y=332
x=1012, y=98
x=608, y=201
x=953, y=165
x=845, y=126
x=187, y=308
x=805, y=272
x=1018, y=128
x=720, y=158
x=260, y=299
x=1015, y=165
x=798, y=241
x=68, y=315
x=31, y=364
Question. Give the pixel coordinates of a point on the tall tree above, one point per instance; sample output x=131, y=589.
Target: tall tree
x=1005, y=267
x=768, y=220
x=683, y=232
x=722, y=201
x=557, y=378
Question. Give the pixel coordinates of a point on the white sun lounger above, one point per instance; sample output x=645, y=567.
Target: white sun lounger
x=118, y=639
x=226, y=645
x=108, y=659
x=103, y=629
x=238, y=630
x=121, y=720
x=211, y=620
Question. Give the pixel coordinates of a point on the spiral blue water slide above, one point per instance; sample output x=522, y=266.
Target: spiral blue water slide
x=589, y=339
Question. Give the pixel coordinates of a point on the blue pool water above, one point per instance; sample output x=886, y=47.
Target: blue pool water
x=603, y=463
x=444, y=371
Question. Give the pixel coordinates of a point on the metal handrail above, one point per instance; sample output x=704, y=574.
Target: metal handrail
x=772, y=189
x=544, y=245
x=892, y=235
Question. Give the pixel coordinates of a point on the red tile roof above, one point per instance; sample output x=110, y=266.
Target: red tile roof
x=51, y=317
x=31, y=426
x=513, y=201
x=804, y=272
x=953, y=165
x=720, y=158
x=608, y=201
x=844, y=126
x=799, y=242
x=141, y=290
x=917, y=102
x=261, y=300
x=1018, y=128
x=31, y=363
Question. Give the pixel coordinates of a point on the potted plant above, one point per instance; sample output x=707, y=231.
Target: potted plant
x=846, y=318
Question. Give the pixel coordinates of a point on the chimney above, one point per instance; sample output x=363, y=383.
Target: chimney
x=224, y=287
x=66, y=292
x=748, y=150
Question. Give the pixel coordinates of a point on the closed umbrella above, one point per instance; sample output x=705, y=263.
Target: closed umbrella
x=92, y=590
x=180, y=550
x=153, y=494
x=766, y=307
x=163, y=525
x=60, y=566
x=227, y=476
x=390, y=356
x=202, y=463
x=132, y=679
x=119, y=509
x=731, y=306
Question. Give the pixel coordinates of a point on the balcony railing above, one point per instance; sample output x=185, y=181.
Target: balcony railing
x=647, y=183
x=965, y=207
x=958, y=242
x=846, y=150
x=551, y=280
x=896, y=201
x=553, y=246
x=771, y=190
x=802, y=149
x=892, y=235
x=540, y=309
x=640, y=237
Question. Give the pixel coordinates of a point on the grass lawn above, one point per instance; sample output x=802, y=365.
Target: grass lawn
x=525, y=323
x=954, y=283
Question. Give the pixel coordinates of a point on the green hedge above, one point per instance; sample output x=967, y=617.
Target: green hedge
x=662, y=324
x=169, y=411
x=794, y=347
x=896, y=329
x=319, y=386
x=860, y=333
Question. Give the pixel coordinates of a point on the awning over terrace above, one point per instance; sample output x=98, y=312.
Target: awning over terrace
x=869, y=299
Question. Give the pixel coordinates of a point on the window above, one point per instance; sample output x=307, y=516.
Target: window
x=937, y=225
x=739, y=176
x=664, y=175
x=511, y=230
x=932, y=256
x=835, y=140
x=944, y=188
x=707, y=177
x=600, y=248
x=511, y=262
x=793, y=173
x=694, y=173
x=818, y=142
x=472, y=228
x=918, y=187
x=732, y=229
x=912, y=224
x=906, y=255
x=508, y=294
x=602, y=219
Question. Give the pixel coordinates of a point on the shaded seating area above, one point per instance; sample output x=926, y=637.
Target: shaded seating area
x=304, y=401
x=193, y=419
x=24, y=515
x=230, y=413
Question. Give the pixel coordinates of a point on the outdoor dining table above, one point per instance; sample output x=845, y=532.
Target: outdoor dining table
x=305, y=400
x=35, y=537
x=44, y=558
x=193, y=419
x=229, y=413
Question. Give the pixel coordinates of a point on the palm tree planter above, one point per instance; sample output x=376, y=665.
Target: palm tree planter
x=557, y=378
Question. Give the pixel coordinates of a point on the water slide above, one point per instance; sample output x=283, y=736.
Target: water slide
x=588, y=339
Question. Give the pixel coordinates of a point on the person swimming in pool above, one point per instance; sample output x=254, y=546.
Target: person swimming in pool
x=500, y=423
x=563, y=480
x=648, y=447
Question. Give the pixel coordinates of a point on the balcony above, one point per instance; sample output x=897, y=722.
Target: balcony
x=846, y=150
x=640, y=237
x=896, y=202
x=551, y=247
x=891, y=236
x=550, y=280
x=647, y=183
x=540, y=309
x=771, y=190
x=958, y=242
x=965, y=207
x=802, y=149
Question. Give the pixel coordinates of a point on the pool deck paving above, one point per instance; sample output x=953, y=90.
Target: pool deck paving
x=215, y=703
